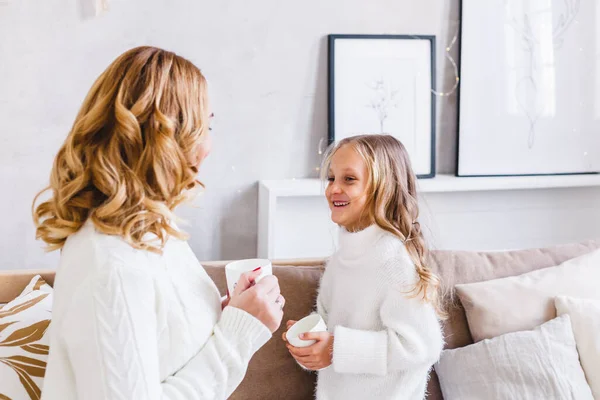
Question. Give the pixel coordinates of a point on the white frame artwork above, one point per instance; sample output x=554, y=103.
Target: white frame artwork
x=530, y=88
x=385, y=84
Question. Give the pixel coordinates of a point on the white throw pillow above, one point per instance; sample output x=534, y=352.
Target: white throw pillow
x=24, y=341
x=530, y=365
x=585, y=319
x=522, y=302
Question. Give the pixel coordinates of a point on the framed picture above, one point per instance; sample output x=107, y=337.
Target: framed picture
x=530, y=88
x=385, y=84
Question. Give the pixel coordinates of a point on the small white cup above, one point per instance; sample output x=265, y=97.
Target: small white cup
x=310, y=323
x=235, y=269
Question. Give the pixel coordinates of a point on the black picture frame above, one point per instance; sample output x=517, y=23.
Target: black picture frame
x=331, y=101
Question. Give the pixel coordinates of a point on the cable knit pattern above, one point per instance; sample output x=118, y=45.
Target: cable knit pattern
x=128, y=324
x=123, y=371
x=385, y=341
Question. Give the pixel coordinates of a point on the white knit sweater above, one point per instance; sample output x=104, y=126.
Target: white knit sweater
x=385, y=342
x=130, y=324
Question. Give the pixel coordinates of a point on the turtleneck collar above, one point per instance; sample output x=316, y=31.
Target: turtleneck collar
x=354, y=244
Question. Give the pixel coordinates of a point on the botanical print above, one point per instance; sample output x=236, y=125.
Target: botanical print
x=27, y=338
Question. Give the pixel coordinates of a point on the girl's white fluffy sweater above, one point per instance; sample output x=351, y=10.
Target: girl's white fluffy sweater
x=385, y=341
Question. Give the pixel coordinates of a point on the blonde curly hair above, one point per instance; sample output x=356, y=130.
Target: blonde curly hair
x=393, y=204
x=130, y=156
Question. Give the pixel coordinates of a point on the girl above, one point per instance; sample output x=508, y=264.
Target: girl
x=377, y=295
x=135, y=316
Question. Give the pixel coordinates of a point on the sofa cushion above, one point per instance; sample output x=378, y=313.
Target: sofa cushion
x=455, y=267
x=460, y=267
x=585, y=319
x=538, y=364
x=24, y=341
x=524, y=301
x=273, y=374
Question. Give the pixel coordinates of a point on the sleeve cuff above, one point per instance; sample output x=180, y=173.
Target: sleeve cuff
x=359, y=352
x=238, y=323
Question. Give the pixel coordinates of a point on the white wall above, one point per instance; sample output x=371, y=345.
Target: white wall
x=266, y=65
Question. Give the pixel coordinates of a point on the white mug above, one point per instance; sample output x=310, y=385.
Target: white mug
x=310, y=323
x=235, y=269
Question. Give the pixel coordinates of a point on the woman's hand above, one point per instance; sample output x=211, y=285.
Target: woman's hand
x=314, y=357
x=246, y=280
x=262, y=300
x=225, y=301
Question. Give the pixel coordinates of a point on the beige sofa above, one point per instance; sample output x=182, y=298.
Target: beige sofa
x=273, y=374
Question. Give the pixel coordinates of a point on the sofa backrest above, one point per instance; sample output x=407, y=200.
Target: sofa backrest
x=456, y=267
x=273, y=374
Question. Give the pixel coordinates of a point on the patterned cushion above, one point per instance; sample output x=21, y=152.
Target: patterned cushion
x=24, y=341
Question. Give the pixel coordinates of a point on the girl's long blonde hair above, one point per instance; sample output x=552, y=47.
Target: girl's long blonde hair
x=393, y=204
x=128, y=160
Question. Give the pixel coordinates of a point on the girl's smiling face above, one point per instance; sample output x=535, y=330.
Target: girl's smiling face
x=347, y=189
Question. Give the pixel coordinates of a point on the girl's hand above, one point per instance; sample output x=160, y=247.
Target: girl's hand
x=288, y=325
x=317, y=356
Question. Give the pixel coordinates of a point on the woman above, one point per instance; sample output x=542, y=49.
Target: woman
x=135, y=316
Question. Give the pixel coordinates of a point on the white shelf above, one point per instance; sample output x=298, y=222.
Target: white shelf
x=450, y=183
x=444, y=183
x=459, y=213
